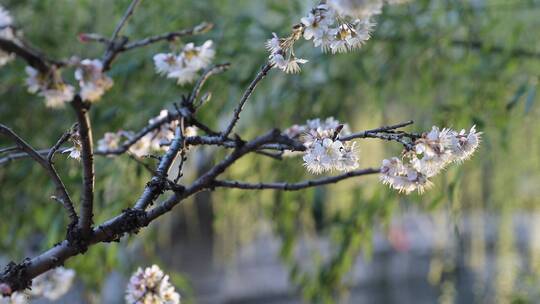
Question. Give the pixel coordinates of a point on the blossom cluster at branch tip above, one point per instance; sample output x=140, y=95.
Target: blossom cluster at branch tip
x=51, y=87
x=431, y=154
x=338, y=26
x=185, y=66
x=324, y=151
x=151, y=286
x=92, y=81
x=51, y=285
x=152, y=141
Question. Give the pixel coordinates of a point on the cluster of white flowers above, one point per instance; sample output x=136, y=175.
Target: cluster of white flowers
x=6, y=32
x=92, y=81
x=51, y=285
x=51, y=87
x=184, y=66
x=151, y=286
x=432, y=153
x=152, y=141
x=324, y=152
x=338, y=26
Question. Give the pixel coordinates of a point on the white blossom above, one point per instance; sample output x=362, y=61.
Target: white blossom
x=151, y=286
x=273, y=45
x=185, y=66
x=56, y=93
x=14, y=298
x=75, y=151
x=198, y=57
x=290, y=65
x=323, y=156
x=53, y=284
x=93, y=82
x=110, y=141
x=465, y=144
x=431, y=153
x=166, y=63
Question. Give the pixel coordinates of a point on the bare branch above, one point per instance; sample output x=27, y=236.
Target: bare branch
x=60, y=187
x=125, y=18
x=236, y=115
x=65, y=137
x=33, y=57
x=216, y=69
x=294, y=186
x=199, y=29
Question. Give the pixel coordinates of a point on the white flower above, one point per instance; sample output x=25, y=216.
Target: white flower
x=6, y=32
x=53, y=284
x=184, y=67
x=166, y=63
x=151, y=286
x=34, y=80
x=465, y=144
x=360, y=34
x=58, y=95
x=402, y=177
x=325, y=40
x=110, y=141
x=340, y=44
x=289, y=66
x=273, y=45
x=349, y=157
x=93, y=82
x=183, y=75
x=14, y=298
x=143, y=146
x=324, y=155
x=198, y=57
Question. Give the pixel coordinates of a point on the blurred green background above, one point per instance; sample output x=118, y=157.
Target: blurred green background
x=449, y=63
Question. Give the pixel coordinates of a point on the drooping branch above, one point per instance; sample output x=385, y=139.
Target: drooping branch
x=49, y=168
x=294, y=186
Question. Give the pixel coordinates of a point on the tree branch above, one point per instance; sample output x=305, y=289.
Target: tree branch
x=49, y=168
x=87, y=160
x=236, y=115
x=293, y=186
x=199, y=29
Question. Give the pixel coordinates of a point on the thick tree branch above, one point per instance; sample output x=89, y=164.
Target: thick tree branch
x=49, y=168
x=33, y=57
x=87, y=160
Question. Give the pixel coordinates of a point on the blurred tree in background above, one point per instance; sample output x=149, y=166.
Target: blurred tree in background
x=449, y=63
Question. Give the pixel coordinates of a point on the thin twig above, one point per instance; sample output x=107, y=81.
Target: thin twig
x=236, y=115
x=199, y=29
x=294, y=186
x=213, y=70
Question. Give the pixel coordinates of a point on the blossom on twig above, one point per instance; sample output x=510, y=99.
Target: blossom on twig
x=151, y=286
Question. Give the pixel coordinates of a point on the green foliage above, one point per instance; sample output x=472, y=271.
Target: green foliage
x=411, y=69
